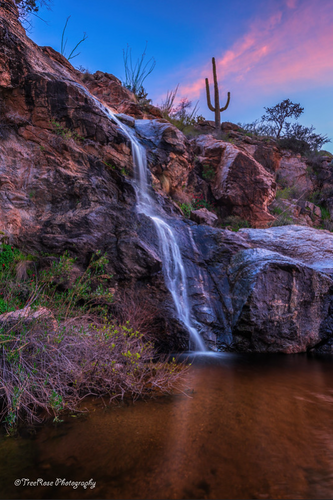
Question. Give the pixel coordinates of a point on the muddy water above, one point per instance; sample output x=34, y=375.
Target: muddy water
x=253, y=427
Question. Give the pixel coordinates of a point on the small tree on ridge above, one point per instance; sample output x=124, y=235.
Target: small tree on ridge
x=280, y=112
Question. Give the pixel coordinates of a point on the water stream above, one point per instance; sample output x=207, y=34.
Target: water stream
x=172, y=263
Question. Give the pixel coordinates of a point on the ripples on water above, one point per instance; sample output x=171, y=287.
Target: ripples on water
x=253, y=427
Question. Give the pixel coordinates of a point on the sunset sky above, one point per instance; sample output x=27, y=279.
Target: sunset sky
x=266, y=51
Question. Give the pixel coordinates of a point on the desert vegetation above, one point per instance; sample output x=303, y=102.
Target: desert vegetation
x=291, y=136
x=60, y=342
x=216, y=108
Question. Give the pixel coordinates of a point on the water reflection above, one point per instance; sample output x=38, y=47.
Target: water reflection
x=252, y=427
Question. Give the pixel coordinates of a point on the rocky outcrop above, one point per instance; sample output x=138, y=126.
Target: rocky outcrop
x=281, y=305
x=269, y=290
x=169, y=155
x=311, y=247
x=293, y=173
x=299, y=212
x=66, y=170
x=239, y=183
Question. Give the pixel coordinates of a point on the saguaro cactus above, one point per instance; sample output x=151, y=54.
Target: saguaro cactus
x=217, y=110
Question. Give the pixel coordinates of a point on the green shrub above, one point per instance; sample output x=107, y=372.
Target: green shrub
x=186, y=208
x=46, y=369
x=234, y=222
x=8, y=254
x=325, y=215
x=208, y=172
x=288, y=193
x=200, y=202
x=65, y=133
x=276, y=210
x=315, y=197
x=283, y=220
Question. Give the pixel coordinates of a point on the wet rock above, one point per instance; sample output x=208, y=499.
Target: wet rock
x=126, y=119
x=280, y=305
x=168, y=154
x=312, y=247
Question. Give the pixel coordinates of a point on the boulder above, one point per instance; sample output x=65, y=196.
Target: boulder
x=204, y=216
x=29, y=318
x=280, y=304
x=312, y=247
x=240, y=182
x=228, y=126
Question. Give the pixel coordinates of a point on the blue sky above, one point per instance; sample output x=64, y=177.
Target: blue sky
x=266, y=51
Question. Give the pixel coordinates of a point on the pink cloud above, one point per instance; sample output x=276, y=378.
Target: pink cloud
x=291, y=4
x=290, y=47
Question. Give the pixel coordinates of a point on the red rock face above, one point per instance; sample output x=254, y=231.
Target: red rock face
x=60, y=156
x=240, y=182
x=293, y=172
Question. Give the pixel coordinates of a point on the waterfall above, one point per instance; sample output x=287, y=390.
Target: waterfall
x=172, y=262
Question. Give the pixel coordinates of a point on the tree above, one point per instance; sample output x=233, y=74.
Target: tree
x=30, y=6
x=280, y=112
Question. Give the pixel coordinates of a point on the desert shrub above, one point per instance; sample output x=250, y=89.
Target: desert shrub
x=65, y=133
x=257, y=129
x=184, y=116
x=186, y=208
x=292, y=136
x=277, y=115
x=31, y=6
x=276, y=210
x=49, y=366
x=136, y=74
x=325, y=215
x=208, y=172
x=288, y=193
x=300, y=139
x=234, y=222
x=315, y=197
x=200, y=202
x=283, y=219
x=64, y=41
x=8, y=254
x=135, y=309
x=167, y=105
x=54, y=371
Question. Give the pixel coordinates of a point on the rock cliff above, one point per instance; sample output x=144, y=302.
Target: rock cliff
x=66, y=184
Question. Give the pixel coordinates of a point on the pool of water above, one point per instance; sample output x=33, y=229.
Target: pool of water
x=250, y=427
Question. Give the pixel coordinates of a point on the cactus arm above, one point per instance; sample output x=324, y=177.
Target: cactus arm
x=228, y=100
x=208, y=96
x=216, y=86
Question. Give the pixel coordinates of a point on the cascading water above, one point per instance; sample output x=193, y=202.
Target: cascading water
x=173, y=267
